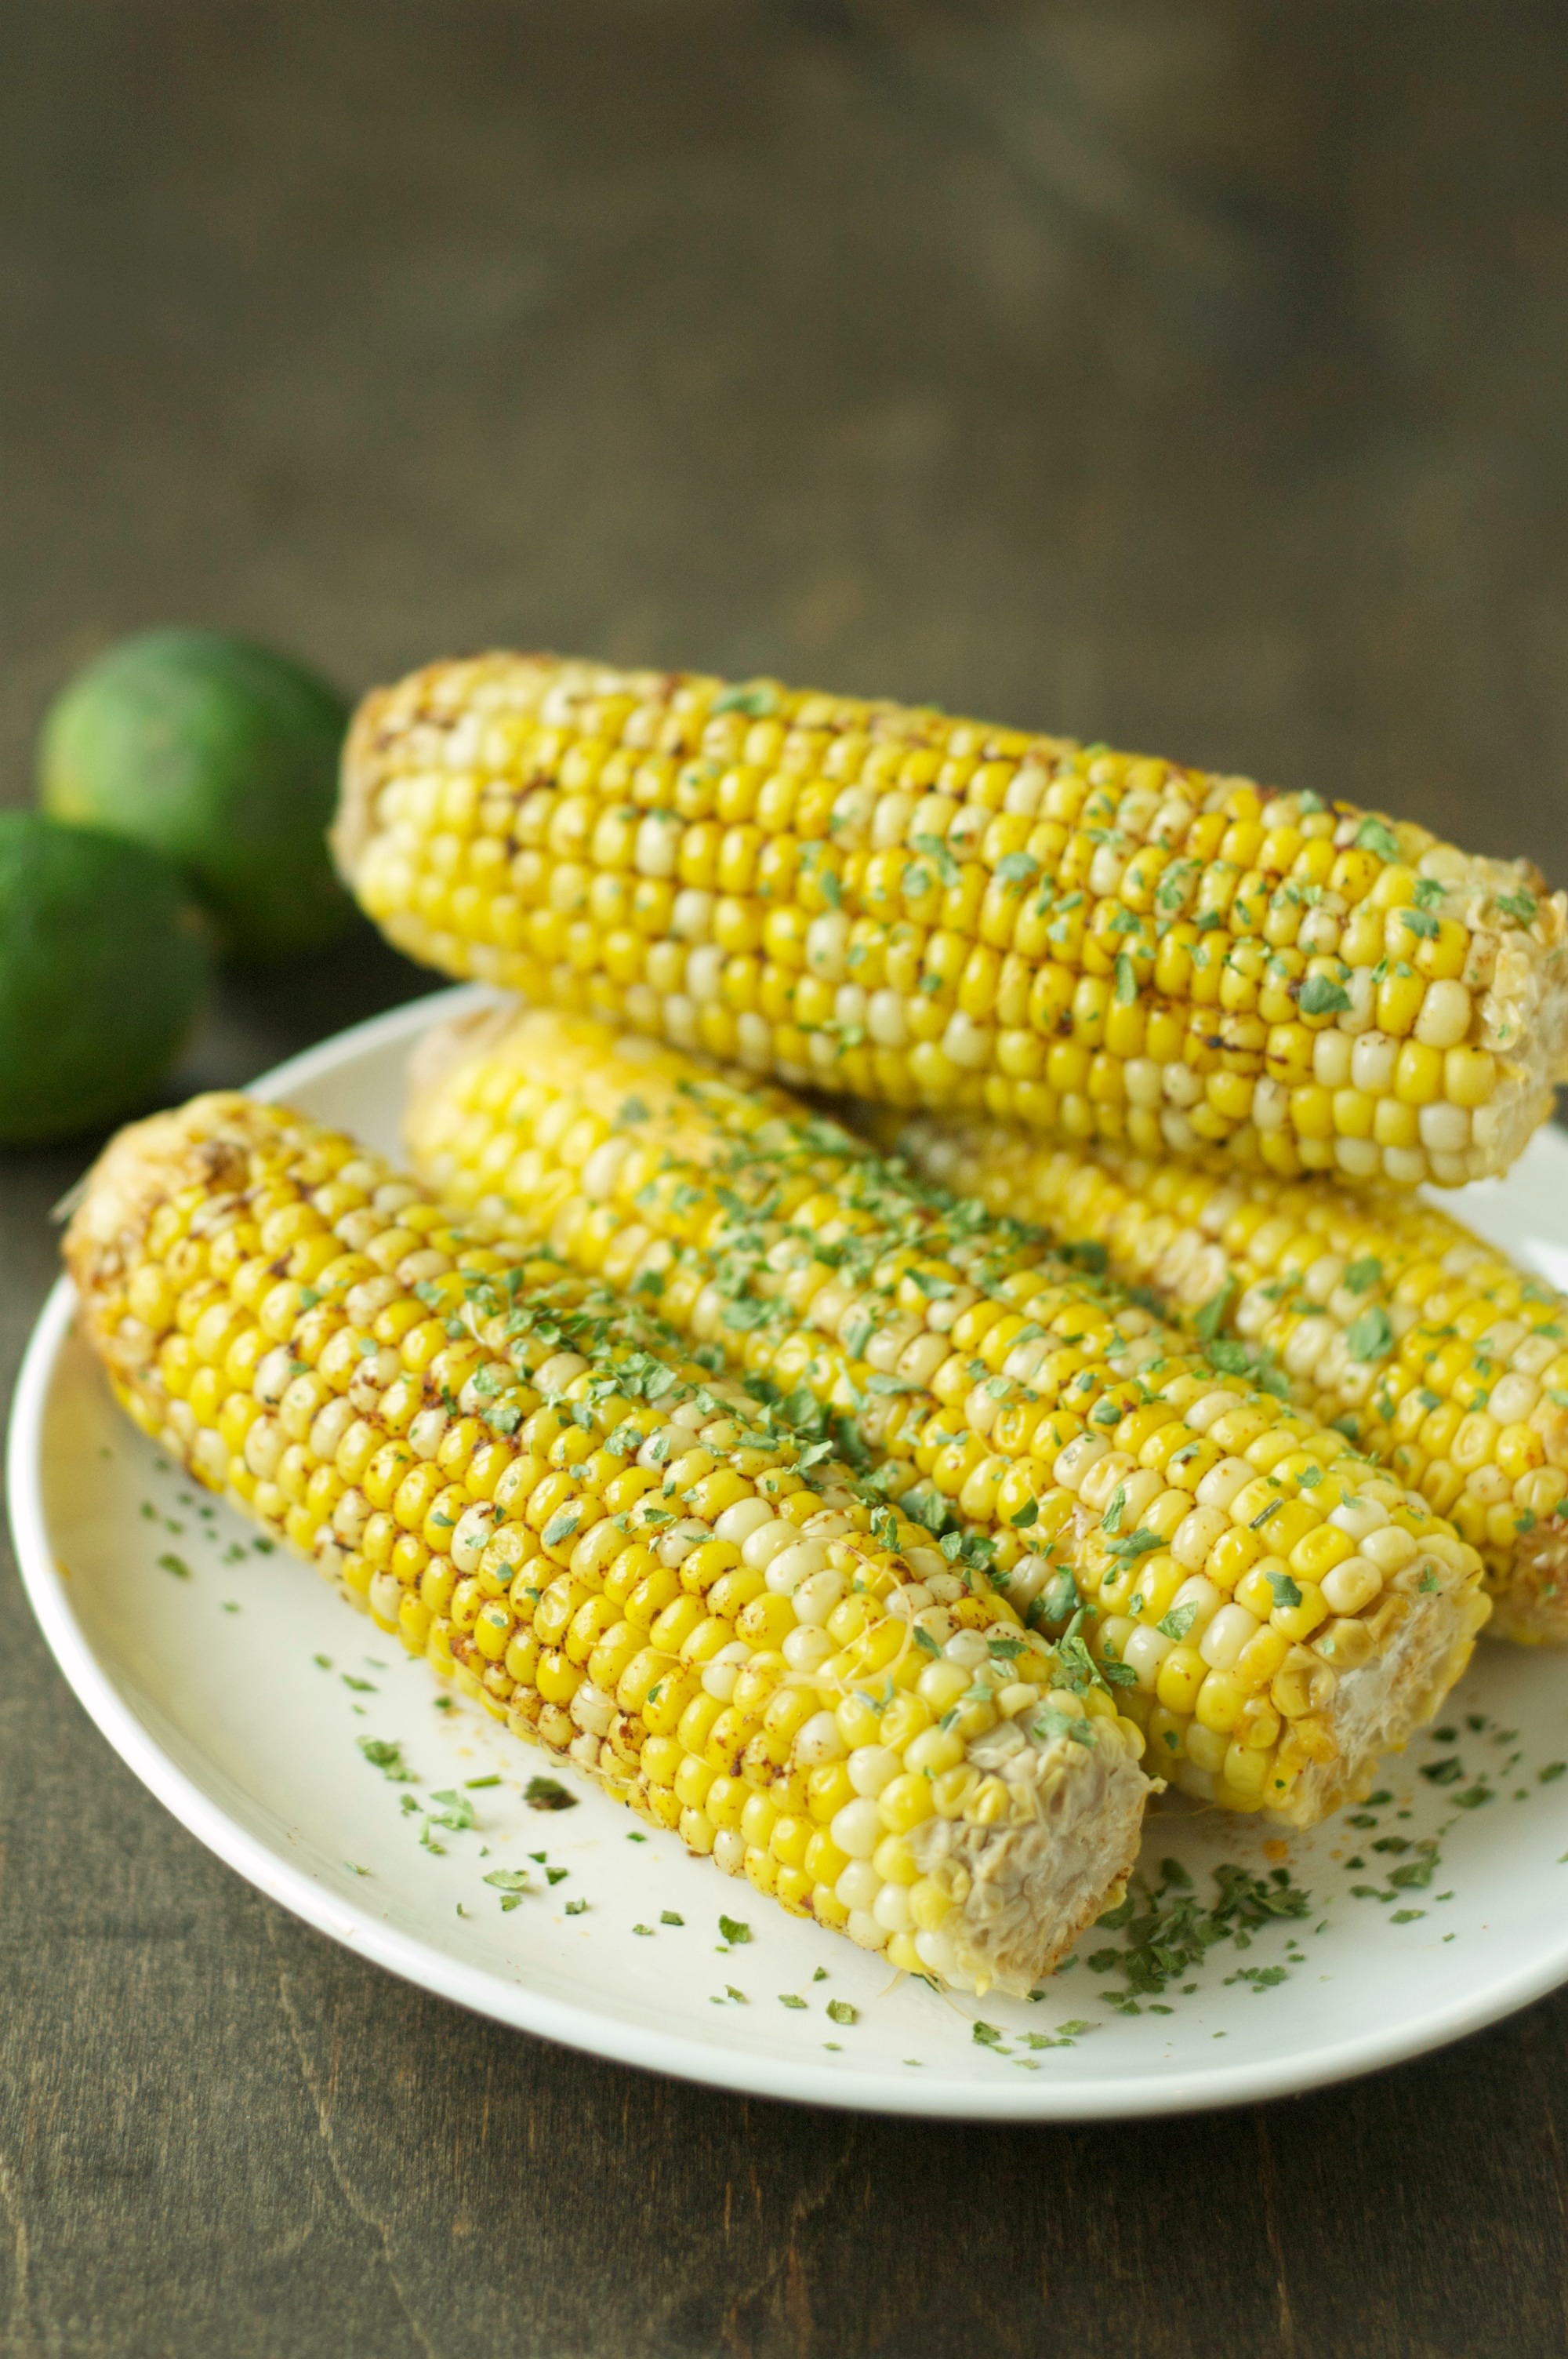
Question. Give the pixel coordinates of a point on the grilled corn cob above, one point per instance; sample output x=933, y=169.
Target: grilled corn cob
x=936, y=912
x=595, y=1538
x=1445, y=1361
x=1275, y=1613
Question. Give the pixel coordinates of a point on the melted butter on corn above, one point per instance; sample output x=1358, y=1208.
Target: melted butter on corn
x=939, y=912
x=1274, y=1612
x=611, y=1550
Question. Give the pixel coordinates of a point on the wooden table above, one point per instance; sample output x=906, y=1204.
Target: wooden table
x=1191, y=374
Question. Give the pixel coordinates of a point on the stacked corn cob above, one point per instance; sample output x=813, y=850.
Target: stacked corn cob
x=1275, y=1613
x=1447, y=1363
x=607, y=1547
x=938, y=912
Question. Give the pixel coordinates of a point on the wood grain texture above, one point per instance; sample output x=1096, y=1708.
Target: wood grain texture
x=1190, y=373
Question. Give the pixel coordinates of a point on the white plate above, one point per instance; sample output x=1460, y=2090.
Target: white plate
x=214, y=1686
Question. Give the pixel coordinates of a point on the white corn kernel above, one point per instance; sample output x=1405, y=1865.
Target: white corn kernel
x=858, y=1885
x=737, y=1524
x=873, y=1766
x=1351, y=1585
x=820, y=1742
x=856, y=1829
x=892, y=1910
x=795, y=1564
x=805, y=1649
x=815, y=1597
x=1226, y=1636
x=761, y=1546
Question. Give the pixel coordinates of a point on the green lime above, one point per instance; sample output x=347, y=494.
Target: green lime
x=103, y=963
x=223, y=758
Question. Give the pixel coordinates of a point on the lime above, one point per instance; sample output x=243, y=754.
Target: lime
x=223, y=758
x=102, y=970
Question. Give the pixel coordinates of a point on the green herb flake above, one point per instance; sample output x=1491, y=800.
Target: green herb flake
x=1363, y=1274
x=512, y=1885
x=1215, y=1312
x=1320, y=997
x=1370, y=1336
x=1375, y=835
x=756, y=699
x=456, y=1813
x=547, y=1794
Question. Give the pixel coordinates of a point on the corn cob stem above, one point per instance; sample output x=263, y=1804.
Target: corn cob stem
x=605, y=1546
x=1279, y=1613
x=938, y=912
x=1451, y=1362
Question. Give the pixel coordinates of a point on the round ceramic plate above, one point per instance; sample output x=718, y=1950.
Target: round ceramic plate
x=301, y=1744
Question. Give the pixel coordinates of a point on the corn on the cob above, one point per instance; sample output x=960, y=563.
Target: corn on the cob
x=1445, y=1361
x=1277, y=1613
x=597, y=1539
x=938, y=912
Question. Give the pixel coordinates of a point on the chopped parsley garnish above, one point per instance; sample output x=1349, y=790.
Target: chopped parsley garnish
x=1375, y=835
x=1370, y=1336
x=1320, y=997
x=547, y=1794
x=512, y=1885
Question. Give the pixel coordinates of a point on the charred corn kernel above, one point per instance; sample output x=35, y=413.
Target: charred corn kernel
x=729, y=1750
x=1059, y=911
x=1385, y=1317
x=954, y=1348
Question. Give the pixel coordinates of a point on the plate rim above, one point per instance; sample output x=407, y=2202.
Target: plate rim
x=584, y=2028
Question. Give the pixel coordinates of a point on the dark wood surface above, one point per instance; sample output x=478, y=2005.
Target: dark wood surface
x=1187, y=373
